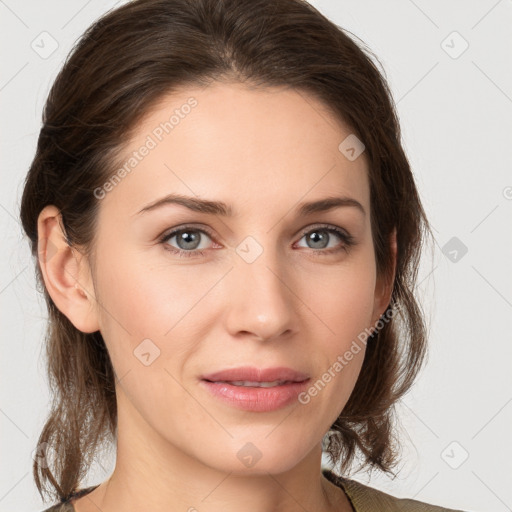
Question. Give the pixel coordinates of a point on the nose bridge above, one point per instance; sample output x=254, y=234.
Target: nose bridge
x=261, y=300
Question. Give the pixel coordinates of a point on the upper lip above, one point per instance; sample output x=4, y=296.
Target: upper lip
x=253, y=374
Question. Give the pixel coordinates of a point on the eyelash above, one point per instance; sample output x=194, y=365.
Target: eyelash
x=348, y=240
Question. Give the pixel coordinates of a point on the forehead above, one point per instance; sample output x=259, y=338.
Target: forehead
x=239, y=145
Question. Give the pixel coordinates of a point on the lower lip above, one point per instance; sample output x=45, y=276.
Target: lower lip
x=256, y=399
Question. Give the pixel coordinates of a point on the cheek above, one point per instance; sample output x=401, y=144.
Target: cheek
x=149, y=313
x=343, y=302
x=140, y=298
x=140, y=323
x=342, y=297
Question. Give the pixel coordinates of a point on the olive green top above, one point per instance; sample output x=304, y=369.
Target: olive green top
x=362, y=497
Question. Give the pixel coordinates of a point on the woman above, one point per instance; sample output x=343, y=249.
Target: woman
x=228, y=232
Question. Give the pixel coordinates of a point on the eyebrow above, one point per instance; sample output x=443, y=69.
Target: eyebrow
x=222, y=209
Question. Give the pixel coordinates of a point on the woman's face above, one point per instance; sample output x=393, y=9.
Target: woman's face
x=268, y=285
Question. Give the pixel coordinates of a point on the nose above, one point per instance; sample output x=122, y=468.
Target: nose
x=261, y=301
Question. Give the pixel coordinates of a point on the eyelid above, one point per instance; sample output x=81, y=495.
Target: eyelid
x=166, y=235
x=324, y=225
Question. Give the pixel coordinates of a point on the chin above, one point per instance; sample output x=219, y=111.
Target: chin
x=261, y=458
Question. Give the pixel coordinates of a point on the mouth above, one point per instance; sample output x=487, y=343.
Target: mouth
x=256, y=390
x=255, y=384
x=251, y=374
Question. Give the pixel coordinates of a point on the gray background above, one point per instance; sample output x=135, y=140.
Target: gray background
x=455, y=108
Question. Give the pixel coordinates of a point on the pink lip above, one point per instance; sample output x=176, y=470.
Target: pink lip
x=254, y=374
x=253, y=398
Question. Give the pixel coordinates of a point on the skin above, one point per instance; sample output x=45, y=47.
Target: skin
x=262, y=151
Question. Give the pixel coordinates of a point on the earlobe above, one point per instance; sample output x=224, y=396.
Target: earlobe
x=65, y=272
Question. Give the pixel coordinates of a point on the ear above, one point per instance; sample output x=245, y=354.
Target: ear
x=66, y=272
x=384, y=286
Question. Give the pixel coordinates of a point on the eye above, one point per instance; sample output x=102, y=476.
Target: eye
x=188, y=240
x=321, y=236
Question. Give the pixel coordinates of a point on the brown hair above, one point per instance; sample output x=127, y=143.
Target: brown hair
x=123, y=64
